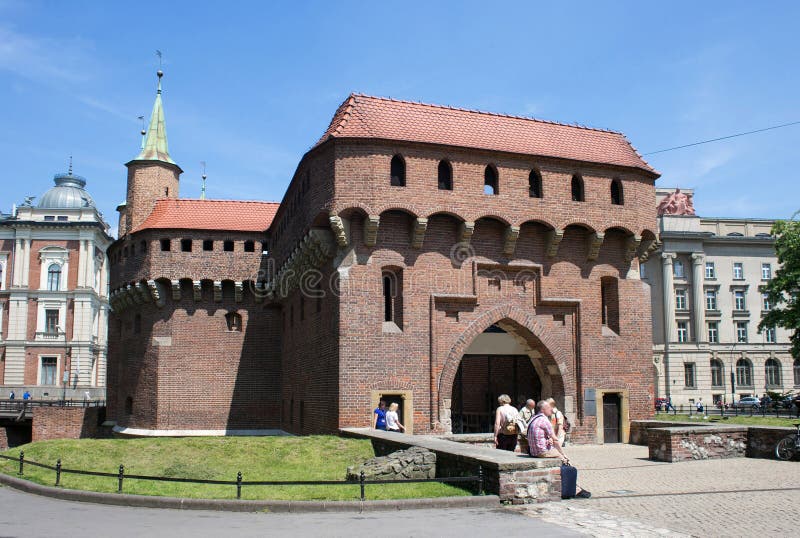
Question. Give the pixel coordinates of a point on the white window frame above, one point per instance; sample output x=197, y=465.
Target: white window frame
x=770, y=335
x=683, y=329
x=3, y=270
x=766, y=271
x=39, y=369
x=59, y=304
x=743, y=326
x=736, y=297
x=58, y=256
x=678, y=269
x=711, y=296
x=680, y=299
x=766, y=306
x=712, y=329
x=738, y=267
x=710, y=271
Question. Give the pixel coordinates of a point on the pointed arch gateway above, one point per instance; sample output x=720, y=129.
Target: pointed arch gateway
x=530, y=364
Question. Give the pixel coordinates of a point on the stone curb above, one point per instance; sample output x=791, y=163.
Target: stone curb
x=144, y=501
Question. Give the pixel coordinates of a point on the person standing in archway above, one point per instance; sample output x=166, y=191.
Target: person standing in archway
x=525, y=415
x=557, y=421
x=505, y=424
x=379, y=416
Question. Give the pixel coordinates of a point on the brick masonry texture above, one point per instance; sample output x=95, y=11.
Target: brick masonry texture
x=65, y=423
x=306, y=364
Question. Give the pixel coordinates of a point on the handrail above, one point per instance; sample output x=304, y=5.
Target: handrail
x=239, y=482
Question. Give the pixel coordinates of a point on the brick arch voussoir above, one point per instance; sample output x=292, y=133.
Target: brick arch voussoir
x=412, y=209
x=341, y=208
x=552, y=351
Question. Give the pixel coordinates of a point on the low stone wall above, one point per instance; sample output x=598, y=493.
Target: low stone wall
x=483, y=440
x=66, y=422
x=514, y=477
x=761, y=440
x=697, y=443
x=641, y=428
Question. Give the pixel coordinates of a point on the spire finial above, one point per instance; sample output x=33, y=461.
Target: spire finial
x=159, y=73
x=204, y=176
x=70, y=165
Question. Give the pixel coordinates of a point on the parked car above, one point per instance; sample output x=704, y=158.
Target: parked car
x=748, y=402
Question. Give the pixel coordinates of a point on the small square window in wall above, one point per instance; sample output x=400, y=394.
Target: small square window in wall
x=249, y=246
x=208, y=244
x=165, y=245
x=186, y=245
x=227, y=246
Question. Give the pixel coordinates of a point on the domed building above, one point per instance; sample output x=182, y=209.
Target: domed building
x=54, y=295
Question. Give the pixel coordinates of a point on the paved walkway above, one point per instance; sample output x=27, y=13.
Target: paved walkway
x=734, y=497
x=29, y=516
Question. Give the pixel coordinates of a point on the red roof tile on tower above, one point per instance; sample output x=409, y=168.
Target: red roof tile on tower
x=213, y=215
x=364, y=116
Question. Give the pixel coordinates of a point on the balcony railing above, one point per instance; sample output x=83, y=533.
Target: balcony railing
x=49, y=335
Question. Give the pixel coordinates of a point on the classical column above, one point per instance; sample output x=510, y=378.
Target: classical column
x=668, y=295
x=698, y=297
x=82, y=263
x=19, y=263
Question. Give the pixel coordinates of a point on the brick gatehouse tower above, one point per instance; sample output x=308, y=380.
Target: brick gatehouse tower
x=425, y=254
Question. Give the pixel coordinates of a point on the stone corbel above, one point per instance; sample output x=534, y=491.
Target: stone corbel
x=238, y=291
x=595, y=241
x=647, y=247
x=371, y=224
x=510, y=240
x=418, y=234
x=217, y=291
x=156, y=293
x=197, y=290
x=176, y=290
x=144, y=293
x=133, y=293
x=632, y=243
x=554, y=238
x=465, y=231
x=339, y=232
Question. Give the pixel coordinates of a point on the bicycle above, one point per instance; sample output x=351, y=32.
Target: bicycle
x=788, y=447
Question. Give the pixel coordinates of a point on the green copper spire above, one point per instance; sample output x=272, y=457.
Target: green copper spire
x=155, y=147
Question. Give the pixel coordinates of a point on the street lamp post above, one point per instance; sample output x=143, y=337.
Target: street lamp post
x=66, y=375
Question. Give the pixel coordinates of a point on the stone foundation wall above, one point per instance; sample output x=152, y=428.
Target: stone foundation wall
x=515, y=478
x=66, y=422
x=761, y=440
x=697, y=443
x=640, y=429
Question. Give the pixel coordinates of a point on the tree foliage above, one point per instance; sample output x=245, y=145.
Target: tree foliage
x=784, y=288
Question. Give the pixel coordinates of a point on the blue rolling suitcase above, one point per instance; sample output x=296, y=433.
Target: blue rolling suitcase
x=569, y=481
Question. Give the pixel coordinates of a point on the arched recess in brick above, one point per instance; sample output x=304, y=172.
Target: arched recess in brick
x=552, y=365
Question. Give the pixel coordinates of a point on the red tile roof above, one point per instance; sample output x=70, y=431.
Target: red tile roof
x=364, y=116
x=222, y=215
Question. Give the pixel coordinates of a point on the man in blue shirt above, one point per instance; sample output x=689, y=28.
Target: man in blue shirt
x=379, y=418
x=26, y=395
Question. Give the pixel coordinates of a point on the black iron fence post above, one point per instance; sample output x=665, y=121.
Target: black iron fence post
x=21, y=460
x=239, y=485
x=58, y=472
x=361, y=480
x=480, y=479
x=120, y=478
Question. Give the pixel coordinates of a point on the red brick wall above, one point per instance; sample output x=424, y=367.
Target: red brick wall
x=185, y=370
x=147, y=182
x=65, y=423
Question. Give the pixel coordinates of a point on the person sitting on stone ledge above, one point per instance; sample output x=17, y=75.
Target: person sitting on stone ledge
x=543, y=443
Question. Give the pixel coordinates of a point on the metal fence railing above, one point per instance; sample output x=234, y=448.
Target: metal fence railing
x=733, y=411
x=59, y=469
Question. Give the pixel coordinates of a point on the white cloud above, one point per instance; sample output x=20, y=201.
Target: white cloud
x=44, y=59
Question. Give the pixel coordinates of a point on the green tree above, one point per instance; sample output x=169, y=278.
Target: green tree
x=784, y=288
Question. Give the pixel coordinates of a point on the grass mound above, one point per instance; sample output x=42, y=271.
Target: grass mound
x=216, y=458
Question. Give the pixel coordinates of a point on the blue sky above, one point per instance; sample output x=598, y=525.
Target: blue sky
x=249, y=87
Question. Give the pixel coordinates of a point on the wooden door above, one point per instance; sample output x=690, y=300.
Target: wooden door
x=611, y=418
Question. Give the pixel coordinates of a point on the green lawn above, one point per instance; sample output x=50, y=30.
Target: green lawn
x=755, y=420
x=216, y=458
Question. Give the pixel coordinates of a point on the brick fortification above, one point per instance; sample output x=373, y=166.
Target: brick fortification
x=371, y=286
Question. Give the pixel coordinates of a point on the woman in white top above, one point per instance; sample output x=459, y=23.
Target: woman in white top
x=392, y=420
x=505, y=428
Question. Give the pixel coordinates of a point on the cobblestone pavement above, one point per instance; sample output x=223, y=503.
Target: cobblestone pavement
x=632, y=496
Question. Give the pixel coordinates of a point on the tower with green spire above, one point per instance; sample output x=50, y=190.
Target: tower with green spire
x=152, y=174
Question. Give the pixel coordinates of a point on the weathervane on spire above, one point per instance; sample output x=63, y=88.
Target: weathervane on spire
x=160, y=73
x=70, y=165
x=204, y=176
